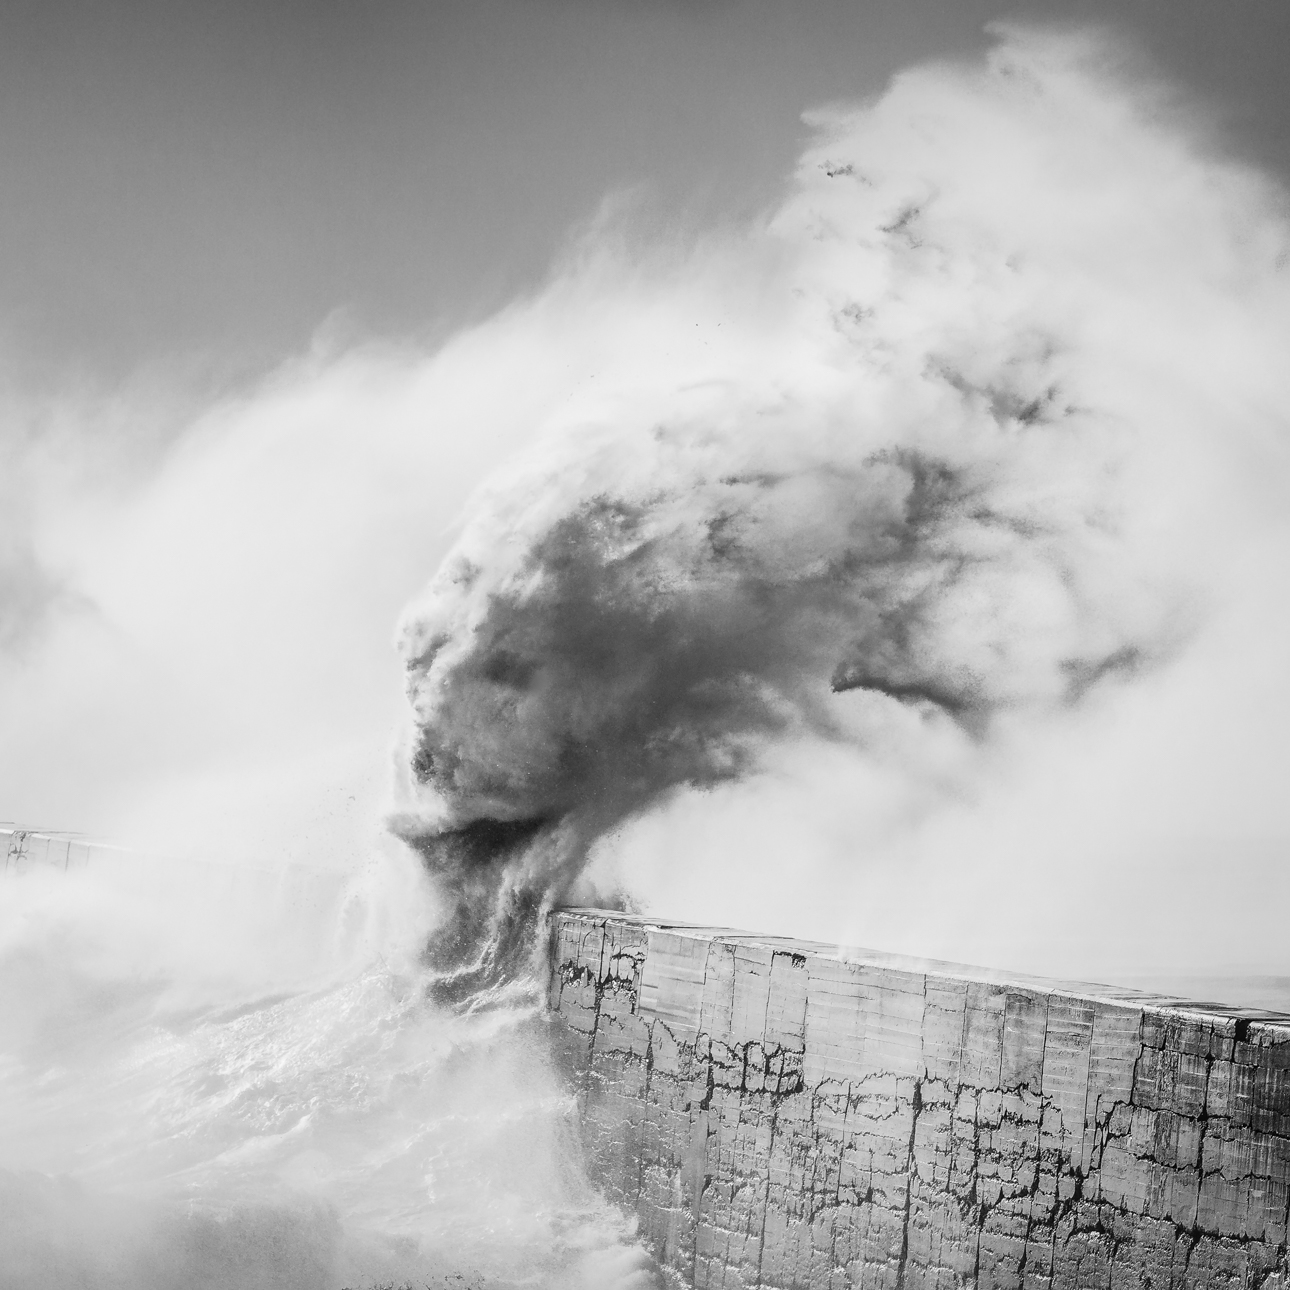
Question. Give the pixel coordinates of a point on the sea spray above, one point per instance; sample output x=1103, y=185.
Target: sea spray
x=215, y=1076
x=907, y=462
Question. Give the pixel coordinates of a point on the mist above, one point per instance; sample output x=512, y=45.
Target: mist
x=961, y=460
x=199, y=596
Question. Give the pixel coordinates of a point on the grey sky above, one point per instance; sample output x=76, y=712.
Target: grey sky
x=203, y=184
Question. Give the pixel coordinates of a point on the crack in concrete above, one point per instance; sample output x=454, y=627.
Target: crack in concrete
x=1039, y=1202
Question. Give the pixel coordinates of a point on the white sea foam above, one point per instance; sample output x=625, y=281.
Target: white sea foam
x=218, y=1076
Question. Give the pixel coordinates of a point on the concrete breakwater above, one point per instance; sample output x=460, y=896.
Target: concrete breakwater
x=28, y=848
x=782, y=1113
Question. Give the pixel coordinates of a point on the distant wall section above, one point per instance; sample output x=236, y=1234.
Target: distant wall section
x=39, y=848
x=780, y=1113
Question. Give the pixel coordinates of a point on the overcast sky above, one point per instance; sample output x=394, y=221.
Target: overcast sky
x=201, y=186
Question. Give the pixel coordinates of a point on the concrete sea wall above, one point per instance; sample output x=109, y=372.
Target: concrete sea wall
x=787, y=1114
x=40, y=848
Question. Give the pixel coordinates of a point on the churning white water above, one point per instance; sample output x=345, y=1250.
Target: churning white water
x=216, y=1076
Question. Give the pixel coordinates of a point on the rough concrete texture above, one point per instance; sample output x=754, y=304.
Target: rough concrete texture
x=781, y=1113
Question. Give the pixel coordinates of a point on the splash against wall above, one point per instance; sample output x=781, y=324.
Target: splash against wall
x=919, y=453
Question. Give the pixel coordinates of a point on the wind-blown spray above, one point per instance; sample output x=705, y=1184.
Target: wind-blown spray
x=874, y=480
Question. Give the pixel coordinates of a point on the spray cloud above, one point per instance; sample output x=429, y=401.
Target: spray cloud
x=897, y=462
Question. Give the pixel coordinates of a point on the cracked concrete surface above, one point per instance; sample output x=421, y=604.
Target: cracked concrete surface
x=785, y=1114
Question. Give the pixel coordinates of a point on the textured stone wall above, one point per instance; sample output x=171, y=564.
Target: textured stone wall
x=780, y=1113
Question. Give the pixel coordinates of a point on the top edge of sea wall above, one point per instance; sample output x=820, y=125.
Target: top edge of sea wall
x=1236, y=1017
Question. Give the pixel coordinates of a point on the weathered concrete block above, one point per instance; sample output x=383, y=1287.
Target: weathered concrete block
x=790, y=1115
